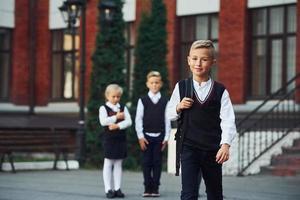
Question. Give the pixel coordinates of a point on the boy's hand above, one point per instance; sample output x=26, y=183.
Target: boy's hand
x=163, y=145
x=120, y=115
x=223, y=154
x=184, y=104
x=113, y=127
x=143, y=143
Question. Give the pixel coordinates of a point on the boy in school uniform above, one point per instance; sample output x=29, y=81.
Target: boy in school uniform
x=153, y=130
x=210, y=128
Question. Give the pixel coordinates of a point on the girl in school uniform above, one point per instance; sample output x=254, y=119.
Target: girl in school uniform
x=115, y=118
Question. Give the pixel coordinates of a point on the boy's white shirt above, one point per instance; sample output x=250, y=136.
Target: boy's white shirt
x=140, y=114
x=105, y=120
x=226, y=113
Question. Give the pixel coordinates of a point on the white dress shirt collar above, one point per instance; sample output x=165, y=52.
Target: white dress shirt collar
x=115, y=108
x=202, y=84
x=154, y=97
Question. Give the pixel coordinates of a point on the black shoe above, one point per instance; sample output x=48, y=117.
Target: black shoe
x=147, y=192
x=155, y=192
x=119, y=194
x=110, y=194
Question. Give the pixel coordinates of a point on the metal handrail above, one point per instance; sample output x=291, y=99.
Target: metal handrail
x=269, y=97
x=257, y=137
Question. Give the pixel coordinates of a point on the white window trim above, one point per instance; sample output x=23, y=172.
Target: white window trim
x=264, y=3
x=129, y=10
x=193, y=7
x=7, y=13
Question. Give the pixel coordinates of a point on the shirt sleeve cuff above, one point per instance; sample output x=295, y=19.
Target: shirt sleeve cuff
x=140, y=135
x=225, y=141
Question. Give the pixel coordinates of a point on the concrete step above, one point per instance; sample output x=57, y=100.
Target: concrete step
x=281, y=170
x=286, y=160
x=295, y=150
x=296, y=143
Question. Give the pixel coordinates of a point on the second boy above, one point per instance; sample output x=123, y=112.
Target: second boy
x=153, y=130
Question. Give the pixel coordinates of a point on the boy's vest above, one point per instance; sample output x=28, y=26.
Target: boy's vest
x=114, y=134
x=203, y=129
x=154, y=115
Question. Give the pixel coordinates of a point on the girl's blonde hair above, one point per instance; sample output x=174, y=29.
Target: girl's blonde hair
x=208, y=44
x=113, y=87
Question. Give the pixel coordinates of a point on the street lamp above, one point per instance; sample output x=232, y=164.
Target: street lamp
x=107, y=9
x=71, y=10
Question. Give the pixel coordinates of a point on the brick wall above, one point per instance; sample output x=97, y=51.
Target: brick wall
x=20, y=60
x=172, y=42
x=232, y=63
x=298, y=50
x=20, y=92
x=91, y=32
x=43, y=54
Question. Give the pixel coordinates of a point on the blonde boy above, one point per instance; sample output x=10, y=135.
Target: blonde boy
x=210, y=127
x=153, y=130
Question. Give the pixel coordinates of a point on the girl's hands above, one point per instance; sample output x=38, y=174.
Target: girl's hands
x=113, y=127
x=120, y=115
x=184, y=104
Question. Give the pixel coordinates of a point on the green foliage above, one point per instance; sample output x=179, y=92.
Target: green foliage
x=108, y=67
x=151, y=49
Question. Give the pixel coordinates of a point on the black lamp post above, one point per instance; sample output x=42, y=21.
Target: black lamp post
x=71, y=10
x=107, y=9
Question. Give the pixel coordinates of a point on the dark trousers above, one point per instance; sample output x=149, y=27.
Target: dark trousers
x=196, y=164
x=152, y=162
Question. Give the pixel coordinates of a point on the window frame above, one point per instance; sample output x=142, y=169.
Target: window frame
x=129, y=51
x=62, y=53
x=9, y=52
x=183, y=73
x=269, y=37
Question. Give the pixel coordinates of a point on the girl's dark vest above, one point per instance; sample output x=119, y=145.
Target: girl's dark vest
x=115, y=134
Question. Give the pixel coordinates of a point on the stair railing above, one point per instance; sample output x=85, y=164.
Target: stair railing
x=268, y=123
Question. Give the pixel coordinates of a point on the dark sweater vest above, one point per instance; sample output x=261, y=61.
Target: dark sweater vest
x=115, y=134
x=204, y=130
x=154, y=115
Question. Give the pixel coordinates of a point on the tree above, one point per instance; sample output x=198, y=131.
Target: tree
x=151, y=49
x=108, y=67
x=150, y=54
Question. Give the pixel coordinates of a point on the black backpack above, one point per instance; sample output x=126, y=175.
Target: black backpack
x=186, y=89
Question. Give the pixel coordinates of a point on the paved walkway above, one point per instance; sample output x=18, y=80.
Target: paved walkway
x=88, y=185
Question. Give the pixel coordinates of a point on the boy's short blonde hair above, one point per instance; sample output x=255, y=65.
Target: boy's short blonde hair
x=208, y=44
x=113, y=87
x=153, y=74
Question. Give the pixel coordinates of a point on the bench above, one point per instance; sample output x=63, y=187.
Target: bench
x=57, y=141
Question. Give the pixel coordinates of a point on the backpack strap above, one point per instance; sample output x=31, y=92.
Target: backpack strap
x=186, y=89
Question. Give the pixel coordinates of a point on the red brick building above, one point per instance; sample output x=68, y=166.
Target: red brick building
x=257, y=43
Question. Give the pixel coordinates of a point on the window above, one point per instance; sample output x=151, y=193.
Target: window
x=65, y=65
x=129, y=57
x=5, y=63
x=195, y=28
x=273, y=54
